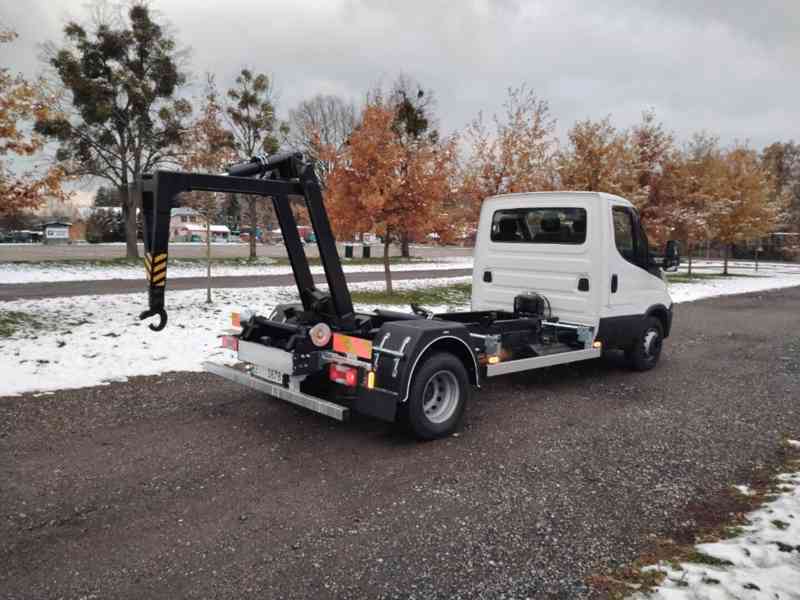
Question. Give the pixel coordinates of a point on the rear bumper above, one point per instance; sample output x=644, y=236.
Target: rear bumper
x=318, y=405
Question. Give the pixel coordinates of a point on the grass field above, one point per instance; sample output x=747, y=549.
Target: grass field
x=434, y=295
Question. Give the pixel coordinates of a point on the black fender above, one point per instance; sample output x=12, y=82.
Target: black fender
x=663, y=314
x=415, y=339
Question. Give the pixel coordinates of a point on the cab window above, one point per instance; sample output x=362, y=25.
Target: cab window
x=539, y=225
x=623, y=233
x=629, y=237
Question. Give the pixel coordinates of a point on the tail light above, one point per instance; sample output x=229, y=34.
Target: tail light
x=238, y=319
x=320, y=335
x=231, y=342
x=345, y=375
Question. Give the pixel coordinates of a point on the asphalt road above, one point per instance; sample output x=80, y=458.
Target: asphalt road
x=184, y=486
x=32, y=291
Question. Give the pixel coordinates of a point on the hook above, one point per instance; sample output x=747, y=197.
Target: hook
x=162, y=318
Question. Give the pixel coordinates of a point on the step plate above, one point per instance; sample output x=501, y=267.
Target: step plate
x=318, y=405
x=536, y=362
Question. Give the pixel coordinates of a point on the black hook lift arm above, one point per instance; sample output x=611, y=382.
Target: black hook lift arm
x=277, y=177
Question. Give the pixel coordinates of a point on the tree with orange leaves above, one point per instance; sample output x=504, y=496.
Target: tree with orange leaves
x=515, y=154
x=386, y=186
x=21, y=102
x=654, y=159
x=692, y=179
x=744, y=207
x=598, y=158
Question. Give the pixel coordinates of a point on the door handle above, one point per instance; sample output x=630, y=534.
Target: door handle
x=614, y=283
x=487, y=276
x=583, y=284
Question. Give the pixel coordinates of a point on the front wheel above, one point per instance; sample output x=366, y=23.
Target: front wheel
x=646, y=350
x=438, y=396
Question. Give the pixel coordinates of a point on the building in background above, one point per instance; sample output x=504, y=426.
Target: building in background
x=186, y=225
x=57, y=232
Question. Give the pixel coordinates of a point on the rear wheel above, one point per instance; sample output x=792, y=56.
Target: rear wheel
x=438, y=396
x=646, y=350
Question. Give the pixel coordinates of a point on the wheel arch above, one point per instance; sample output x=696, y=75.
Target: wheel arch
x=453, y=345
x=663, y=314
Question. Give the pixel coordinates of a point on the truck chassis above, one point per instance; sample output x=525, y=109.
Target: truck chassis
x=323, y=355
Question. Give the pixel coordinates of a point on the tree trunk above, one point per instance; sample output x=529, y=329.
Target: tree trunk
x=252, y=215
x=208, y=262
x=404, y=249
x=386, y=270
x=129, y=215
x=725, y=254
x=689, y=256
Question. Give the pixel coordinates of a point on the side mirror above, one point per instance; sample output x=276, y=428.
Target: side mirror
x=672, y=256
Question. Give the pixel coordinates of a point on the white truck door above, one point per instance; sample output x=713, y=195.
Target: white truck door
x=542, y=243
x=634, y=285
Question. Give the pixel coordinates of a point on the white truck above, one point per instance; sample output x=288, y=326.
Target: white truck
x=588, y=255
x=558, y=277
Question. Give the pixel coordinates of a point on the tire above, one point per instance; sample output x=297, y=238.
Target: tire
x=646, y=351
x=439, y=392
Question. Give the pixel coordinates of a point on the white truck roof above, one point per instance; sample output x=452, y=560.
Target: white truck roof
x=521, y=198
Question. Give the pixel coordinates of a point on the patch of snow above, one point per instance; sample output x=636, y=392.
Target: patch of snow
x=744, y=490
x=11, y=273
x=687, y=292
x=765, y=557
x=92, y=340
x=794, y=443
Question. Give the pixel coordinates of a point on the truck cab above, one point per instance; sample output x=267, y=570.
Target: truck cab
x=588, y=254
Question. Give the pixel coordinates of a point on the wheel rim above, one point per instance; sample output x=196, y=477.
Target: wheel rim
x=652, y=344
x=440, y=397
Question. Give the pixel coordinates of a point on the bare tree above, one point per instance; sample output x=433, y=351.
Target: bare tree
x=250, y=115
x=320, y=127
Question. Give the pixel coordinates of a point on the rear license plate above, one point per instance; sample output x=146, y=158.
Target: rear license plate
x=272, y=375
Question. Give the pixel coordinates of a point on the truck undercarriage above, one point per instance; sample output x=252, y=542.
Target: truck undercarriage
x=322, y=354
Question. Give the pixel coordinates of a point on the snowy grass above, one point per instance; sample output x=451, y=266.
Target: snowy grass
x=17, y=272
x=91, y=340
x=12, y=321
x=70, y=342
x=453, y=294
x=761, y=561
x=726, y=286
x=746, y=545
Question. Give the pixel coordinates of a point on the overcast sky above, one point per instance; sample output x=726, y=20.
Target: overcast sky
x=728, y=66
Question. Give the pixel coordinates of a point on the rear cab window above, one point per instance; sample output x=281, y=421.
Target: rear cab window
x=539, y=226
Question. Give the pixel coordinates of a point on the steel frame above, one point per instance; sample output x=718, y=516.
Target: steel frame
x=160, y=194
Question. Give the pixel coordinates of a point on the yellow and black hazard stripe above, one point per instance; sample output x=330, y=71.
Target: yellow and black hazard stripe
x=156, y=269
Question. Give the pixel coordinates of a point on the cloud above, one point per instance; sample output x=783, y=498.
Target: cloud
x=725, y=66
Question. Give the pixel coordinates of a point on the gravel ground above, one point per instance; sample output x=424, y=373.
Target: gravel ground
x=185, y=486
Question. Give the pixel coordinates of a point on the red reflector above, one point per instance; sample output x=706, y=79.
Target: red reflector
x=231, y=342
x=345, y=375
